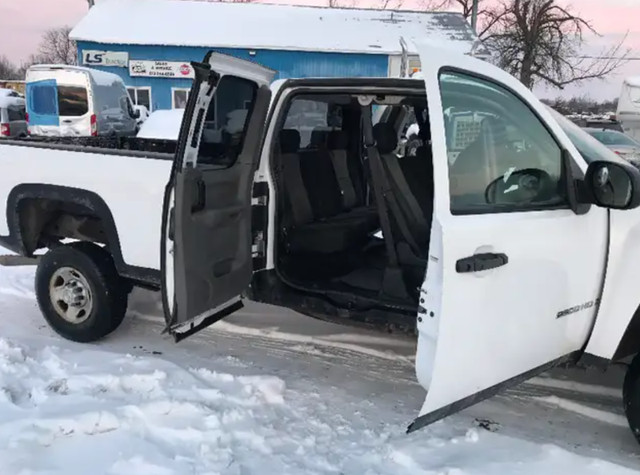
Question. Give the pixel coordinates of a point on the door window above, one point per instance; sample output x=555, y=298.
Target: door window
x=72, y=101
x=225, y=123
x=179, y=98
x=491, y=135
x=140, y=96
x=16, y=114
x=44, y=100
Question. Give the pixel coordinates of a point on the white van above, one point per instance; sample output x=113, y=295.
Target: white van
x=628, y=113
x=74, y=101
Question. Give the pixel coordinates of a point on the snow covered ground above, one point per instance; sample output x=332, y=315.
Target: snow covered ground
x=271, y=392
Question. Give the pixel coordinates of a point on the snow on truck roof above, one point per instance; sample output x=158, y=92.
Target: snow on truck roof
x=101, y=78
x=264, y=26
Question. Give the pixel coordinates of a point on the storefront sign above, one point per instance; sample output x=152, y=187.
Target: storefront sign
x=161, y=69
x=105, y=58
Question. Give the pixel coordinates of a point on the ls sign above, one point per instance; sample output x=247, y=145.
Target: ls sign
x=105, y=58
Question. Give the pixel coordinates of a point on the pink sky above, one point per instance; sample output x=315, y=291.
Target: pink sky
x=21, y=27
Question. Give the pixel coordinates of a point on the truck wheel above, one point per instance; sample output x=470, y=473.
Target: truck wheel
x=631, y=396
x=80, y=293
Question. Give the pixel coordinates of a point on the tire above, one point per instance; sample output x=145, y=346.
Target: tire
x=631, y=396
x=101, y=302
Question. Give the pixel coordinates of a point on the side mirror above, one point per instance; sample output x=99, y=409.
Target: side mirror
x=529, y=185
x=613, y=185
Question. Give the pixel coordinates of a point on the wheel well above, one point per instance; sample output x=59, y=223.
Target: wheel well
x=630, y=341
x=45, y=221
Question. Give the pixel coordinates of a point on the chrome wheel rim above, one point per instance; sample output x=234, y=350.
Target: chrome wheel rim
x=70, y=295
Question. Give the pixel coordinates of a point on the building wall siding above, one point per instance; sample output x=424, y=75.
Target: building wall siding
x=286, y=63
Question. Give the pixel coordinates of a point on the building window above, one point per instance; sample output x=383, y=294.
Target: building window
x=179, y=97
x=141, y=96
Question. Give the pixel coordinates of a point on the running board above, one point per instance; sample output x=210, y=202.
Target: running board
x=207, y=321
x=16, y=260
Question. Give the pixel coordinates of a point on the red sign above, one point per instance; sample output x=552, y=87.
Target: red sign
x=185, y=69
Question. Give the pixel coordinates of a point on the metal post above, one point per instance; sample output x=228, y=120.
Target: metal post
x=474, y=16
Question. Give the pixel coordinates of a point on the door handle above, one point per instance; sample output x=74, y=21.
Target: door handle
x=199, y=197
x=480, y=262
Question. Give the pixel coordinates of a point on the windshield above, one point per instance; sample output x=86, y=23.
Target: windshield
x=590, y=149
x=609, y=137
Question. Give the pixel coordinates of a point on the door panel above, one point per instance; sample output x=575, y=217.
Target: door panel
x=207, y=225
x=42, y=103
x=489, y=326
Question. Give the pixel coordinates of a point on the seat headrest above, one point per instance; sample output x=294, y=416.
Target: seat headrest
x=289, y=141
x=337, y=140
x=318, y=137
x=386, y=137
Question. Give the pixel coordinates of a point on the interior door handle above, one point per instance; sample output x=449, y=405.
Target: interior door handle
x=480, y=262
x=199, y=197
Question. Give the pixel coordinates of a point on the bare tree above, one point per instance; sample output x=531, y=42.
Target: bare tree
x=8, y=70
x=540, y=41
x=56, y=47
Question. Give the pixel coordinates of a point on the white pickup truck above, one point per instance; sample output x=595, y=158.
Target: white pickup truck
x=509, y=241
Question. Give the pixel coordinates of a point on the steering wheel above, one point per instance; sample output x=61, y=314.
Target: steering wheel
x=528, y=185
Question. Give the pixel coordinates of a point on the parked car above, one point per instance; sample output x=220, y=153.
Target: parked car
x=619, y=142
x=13, y=120
x=76, y=101
x=162, y=124
x=506, y=245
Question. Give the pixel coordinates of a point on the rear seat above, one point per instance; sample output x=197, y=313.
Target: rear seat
x=322, y=221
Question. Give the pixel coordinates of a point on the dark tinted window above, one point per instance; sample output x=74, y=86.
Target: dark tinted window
x=16, y=114
x=43, y=100
x=144, y=98
x=72, y=101
x=225, y=124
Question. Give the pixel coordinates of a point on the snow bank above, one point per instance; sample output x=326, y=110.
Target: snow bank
x=162, y=125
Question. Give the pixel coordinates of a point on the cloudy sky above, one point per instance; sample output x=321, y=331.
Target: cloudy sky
x=22, y=23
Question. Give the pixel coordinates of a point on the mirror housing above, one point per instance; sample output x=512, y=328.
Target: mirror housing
x=613, y=185
x=136, y=113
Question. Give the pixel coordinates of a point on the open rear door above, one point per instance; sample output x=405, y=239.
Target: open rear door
x=206, y=243
x=515, y=265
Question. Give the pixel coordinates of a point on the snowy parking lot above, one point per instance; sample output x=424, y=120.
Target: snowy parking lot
x=270, y=392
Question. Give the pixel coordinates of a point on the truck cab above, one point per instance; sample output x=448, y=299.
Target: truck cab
x=490, y=241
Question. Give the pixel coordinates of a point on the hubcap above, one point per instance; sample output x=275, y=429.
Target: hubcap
x=70, y=295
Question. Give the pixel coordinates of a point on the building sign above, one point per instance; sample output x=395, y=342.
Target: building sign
x=161, y=69
x=105, y=58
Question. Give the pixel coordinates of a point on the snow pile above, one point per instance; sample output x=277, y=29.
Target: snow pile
x=162, y=125
x=252, y=397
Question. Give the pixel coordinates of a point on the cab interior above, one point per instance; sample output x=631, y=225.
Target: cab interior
x=355, y=203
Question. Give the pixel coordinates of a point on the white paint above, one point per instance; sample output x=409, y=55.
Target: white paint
x=628, y=112
x=260, y=26
x=132, y=187
x=495, y=325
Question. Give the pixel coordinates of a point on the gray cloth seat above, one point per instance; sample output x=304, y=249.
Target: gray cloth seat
x=411, y=182
x=319, y=221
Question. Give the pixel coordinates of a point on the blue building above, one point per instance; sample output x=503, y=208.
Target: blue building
x=149, y=43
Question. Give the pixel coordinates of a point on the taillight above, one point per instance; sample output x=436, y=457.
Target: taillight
x=94, y=125
x=5, y=130
x=26, y=117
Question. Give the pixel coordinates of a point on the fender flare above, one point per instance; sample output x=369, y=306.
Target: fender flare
x=86, y=199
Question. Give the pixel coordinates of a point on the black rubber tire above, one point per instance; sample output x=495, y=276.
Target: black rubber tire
x=109, y=291
x=631, y=396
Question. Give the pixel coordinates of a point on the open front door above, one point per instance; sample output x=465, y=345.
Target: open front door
x=206, y=244
x=515, y=266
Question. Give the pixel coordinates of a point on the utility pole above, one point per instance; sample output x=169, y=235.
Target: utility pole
x=474, y=15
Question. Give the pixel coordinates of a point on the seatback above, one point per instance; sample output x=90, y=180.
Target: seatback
x=386, y=142
x=297, y=197
x=337, y=143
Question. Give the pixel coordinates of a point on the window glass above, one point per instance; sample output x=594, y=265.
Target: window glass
x=225, y=123
x=180, y=97
x=609, y=137
x=16, y=114
x=313, y=119
x=144, y=98
x=501, y=156
x=44, y=100
x=72, y=101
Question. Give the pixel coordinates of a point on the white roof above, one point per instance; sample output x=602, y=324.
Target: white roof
x=101, y=78
x=633, y=81
x=264, y=26
x=8, y=101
